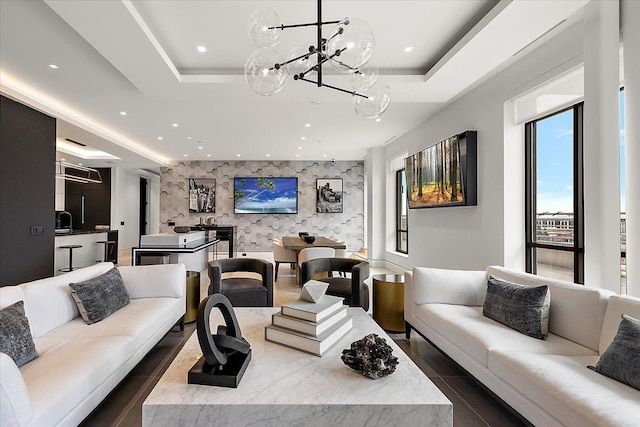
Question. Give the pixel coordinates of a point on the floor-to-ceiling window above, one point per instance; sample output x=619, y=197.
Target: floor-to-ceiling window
x=402, y=231
x=554, y=219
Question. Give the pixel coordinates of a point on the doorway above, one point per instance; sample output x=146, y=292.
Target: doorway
x=144, y=205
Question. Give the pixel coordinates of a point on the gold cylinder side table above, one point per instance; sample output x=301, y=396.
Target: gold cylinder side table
x=193, y=296
x=388, y=301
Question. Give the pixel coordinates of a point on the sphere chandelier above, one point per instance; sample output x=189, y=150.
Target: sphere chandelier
x=348, y=50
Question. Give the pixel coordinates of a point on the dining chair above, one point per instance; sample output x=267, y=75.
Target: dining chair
x=312, y=253
x=341, y=253
x=282, y=255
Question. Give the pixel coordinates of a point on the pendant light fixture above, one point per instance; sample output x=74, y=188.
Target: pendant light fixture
x=348, y=49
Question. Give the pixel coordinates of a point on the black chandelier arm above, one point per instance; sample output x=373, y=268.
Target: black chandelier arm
x=318, y=66
x=350, y=92
x=310, y=24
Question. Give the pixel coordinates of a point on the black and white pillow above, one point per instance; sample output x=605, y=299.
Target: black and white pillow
x=15, y=335
x=520, y=307
x=621, y=360
x=101, y=296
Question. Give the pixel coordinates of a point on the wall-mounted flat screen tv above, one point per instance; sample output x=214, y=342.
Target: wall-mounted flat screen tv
x=443, y=174
x=265, y=195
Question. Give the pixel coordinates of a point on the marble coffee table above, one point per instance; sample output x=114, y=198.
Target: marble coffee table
x=286, y=387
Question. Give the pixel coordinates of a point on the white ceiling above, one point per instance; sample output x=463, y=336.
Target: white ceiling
x=140, y=57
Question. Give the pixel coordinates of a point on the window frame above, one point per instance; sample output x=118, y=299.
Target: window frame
x=399, y=230
x=578, y=195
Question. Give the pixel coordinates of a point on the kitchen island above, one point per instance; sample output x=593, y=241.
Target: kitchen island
x=183, y=248
x=90, y=253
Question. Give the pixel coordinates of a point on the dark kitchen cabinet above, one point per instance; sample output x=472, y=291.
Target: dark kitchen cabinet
x=89, y=204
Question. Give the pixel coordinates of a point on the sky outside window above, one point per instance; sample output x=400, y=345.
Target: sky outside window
x=554, y=168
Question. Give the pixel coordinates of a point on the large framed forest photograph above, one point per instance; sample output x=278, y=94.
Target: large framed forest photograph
x=443, y=174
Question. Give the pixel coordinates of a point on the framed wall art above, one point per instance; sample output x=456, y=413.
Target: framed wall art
x=202, y=195
x=329, y=195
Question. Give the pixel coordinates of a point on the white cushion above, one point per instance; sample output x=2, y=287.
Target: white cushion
x=567, y=389
x=434, y=285
x=617, y=305
x=149, y=281
x=140, y=319
x=10, y=295
x=68, y=371
x=576, y=311
x=15, y=404
x=49, y=301
x=477, y=335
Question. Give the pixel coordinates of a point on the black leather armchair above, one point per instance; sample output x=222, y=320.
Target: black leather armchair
x=243, y=291
x=353, y=289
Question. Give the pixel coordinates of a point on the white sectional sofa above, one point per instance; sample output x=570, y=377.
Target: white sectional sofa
x=546, y=381
x=79, y=364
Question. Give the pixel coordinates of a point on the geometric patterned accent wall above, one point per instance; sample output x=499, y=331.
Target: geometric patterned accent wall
x=255, y=231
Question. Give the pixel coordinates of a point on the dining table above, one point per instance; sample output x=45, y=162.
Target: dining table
x=296, y=243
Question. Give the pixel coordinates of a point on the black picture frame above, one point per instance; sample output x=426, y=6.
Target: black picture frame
x=202, y=195
x=329, y=195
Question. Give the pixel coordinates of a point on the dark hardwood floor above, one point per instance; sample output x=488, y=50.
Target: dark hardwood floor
x=472, y=404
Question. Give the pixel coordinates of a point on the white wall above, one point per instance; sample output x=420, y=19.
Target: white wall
x=493, y=231
x=125, y=204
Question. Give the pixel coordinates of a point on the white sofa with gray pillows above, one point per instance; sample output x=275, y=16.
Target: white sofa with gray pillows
x=540, y=368
x=73, y=348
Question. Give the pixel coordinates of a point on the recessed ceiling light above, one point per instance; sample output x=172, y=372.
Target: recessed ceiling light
x=378, y=119
x=297, y=155
x=208, y=155
x=175, y=125
x=123, y=113
x=324, y=155
x=307, y=125
x=54, y=66
x=188, y=137
x=268, y=155
x=202, y=49
x=160, y=138
x=303, y=138
x=200, y=148
x=237, y=155
x=299, y=148
x=79, y=164
x=186, y=155
x=408, y=49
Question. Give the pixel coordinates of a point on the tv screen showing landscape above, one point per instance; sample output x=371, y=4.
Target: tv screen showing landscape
x=265, y=195
x=443, y=174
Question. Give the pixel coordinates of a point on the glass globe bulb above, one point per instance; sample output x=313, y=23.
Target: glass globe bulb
x=375, y=102
x=260, y=33
x=261, y=74
x=364, y=77
x=358, y=42
x=303, y=64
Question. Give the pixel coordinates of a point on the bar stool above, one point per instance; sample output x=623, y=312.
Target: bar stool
x=108, y=246
x=71, y=248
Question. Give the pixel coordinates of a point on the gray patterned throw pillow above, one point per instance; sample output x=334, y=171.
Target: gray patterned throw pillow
x=520, y=307
x=15, y=335
x=101, y=296
x=621, y=360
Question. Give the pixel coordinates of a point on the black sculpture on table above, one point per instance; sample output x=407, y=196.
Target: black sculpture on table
x=225, y=355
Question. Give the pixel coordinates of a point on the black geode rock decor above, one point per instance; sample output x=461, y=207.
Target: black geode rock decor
x=371, y=356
